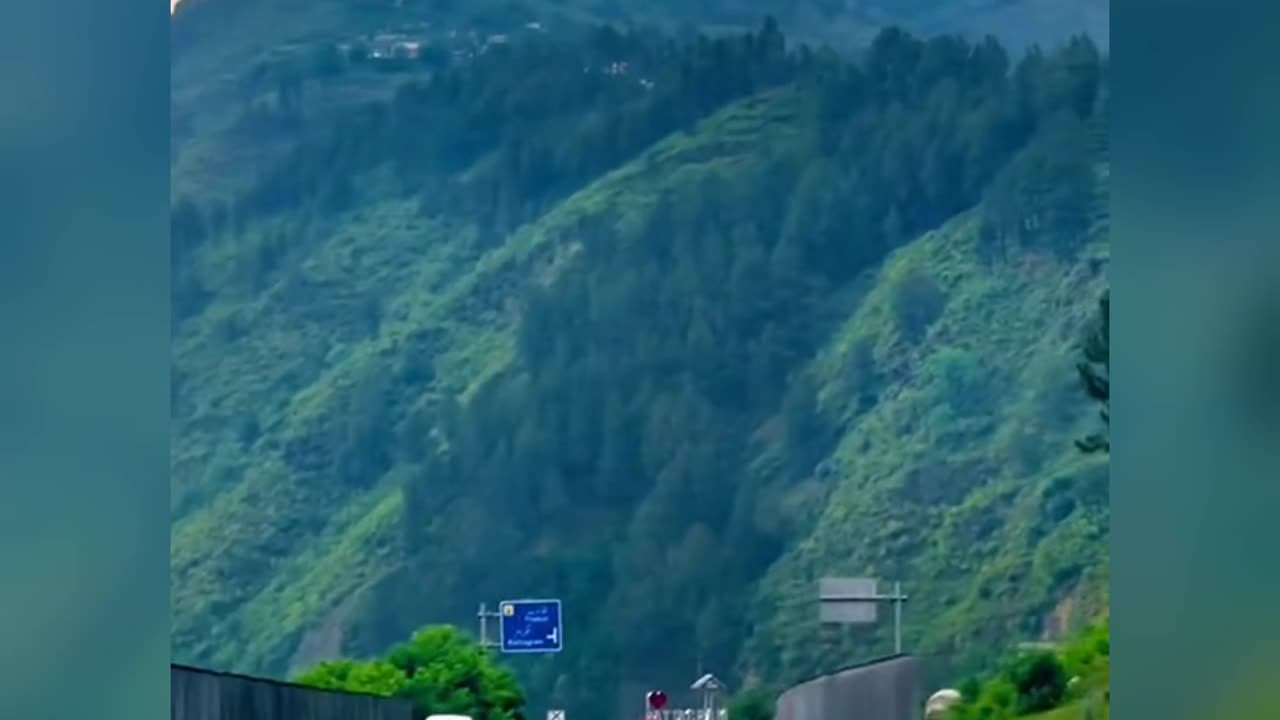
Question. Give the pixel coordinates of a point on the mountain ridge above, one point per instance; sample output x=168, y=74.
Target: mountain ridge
x=370, y=375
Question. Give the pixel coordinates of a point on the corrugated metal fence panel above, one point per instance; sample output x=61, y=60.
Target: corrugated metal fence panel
x=201, y=695
x=888, y=690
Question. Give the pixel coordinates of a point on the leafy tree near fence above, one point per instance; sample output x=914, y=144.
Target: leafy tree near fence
x=440, y=670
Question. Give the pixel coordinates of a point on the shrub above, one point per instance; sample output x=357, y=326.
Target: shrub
x=918, y=301
x=755, y=704
x=1040, y=680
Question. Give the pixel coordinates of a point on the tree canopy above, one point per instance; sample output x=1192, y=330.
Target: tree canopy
x=440, y=670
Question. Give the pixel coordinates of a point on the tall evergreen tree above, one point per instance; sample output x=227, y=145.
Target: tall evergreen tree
x=1095, y=375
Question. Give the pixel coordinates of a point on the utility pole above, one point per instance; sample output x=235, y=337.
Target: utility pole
x=897, y=599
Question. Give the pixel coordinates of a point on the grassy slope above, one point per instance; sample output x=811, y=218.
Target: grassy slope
x=1093, y=705
x=972, y=539
x=302, y=544
x=1075, y=711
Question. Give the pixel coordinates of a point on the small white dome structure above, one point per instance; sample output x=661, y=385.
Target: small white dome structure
x=940, y=702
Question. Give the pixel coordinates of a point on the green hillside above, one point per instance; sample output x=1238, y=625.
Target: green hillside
x=960, y=478
x=669, y=343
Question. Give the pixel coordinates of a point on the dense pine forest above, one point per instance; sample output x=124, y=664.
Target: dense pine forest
x=666, y=327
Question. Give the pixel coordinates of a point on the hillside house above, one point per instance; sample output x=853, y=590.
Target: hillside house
x=395, y=47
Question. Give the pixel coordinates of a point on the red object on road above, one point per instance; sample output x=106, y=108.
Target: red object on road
x=657, y=700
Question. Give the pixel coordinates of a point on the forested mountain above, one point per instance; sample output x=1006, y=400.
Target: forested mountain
x=225, y=50
x=667, y=328
x=846, y=23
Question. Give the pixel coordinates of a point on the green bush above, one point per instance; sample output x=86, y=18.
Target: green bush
x=754, y=704
x=1040, y=680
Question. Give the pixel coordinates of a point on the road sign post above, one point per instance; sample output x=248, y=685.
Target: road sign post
x=853, y=601
x=530, y=626
x=484, y=614
x=524, y=626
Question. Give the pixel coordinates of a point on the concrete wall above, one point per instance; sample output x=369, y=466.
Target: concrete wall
x=891, y=689
x=203, y=695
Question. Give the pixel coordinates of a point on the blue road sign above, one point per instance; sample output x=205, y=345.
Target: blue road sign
x=531, y=626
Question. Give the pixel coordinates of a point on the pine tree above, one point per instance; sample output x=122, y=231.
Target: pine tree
x=1095, y=375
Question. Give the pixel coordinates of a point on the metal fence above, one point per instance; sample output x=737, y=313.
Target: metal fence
x=196, y=694
x=891, y=689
